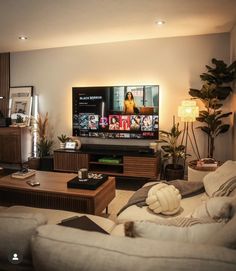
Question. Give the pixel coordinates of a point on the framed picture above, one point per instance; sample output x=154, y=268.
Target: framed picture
x=70, y=145
x=20, y=103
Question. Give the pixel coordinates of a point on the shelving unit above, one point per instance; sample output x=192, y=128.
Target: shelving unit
x=133, y=162
x=15, y=145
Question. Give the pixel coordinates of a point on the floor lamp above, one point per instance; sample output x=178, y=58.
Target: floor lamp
x=188, y=111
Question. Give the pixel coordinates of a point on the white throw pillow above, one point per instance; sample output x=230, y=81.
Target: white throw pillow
x=163, y=198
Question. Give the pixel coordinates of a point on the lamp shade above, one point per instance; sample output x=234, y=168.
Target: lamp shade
x=188, y=111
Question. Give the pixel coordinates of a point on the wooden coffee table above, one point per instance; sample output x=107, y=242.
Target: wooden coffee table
x=54, y=194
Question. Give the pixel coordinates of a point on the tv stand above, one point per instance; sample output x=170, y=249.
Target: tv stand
x=130, y=161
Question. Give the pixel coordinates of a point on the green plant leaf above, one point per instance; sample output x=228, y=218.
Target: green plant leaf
x=222, y=129
x=205, y=129
x=225, y=115
x=223, y=92
x=195, y=93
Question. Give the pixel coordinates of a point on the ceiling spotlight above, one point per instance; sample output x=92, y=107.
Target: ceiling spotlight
x=160, y=22
x=22, y=38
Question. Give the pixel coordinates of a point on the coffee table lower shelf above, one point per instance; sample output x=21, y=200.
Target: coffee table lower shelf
x=47, y=200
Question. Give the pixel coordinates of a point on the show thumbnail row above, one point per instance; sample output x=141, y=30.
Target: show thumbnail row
x=92, y=122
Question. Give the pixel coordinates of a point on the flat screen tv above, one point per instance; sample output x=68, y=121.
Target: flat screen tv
x=129, y=112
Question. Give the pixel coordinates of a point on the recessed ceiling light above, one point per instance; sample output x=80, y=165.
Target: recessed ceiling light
x=22, y=38
x=160, y=22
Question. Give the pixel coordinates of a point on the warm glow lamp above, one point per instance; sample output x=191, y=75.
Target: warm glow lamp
x=188, y=111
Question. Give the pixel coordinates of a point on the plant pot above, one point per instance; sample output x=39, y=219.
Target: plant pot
x=174, y=172
x=34, y=163
x=46, y=163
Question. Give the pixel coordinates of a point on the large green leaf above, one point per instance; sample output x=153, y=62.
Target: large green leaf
x=222, y=129
x=205, y=129
x=180, y=148
x=223, y=92
x=167, y=148
x=165, y=133
x=225, y=115
x=195, y=93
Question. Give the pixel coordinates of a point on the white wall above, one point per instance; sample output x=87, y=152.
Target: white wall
x=233, y=104
x=173, y=63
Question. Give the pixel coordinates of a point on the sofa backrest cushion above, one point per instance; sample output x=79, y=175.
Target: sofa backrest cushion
x=16, y=230
x=60, y=248
x=222, y=181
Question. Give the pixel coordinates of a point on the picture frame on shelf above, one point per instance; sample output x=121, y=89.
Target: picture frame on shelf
x=20, y=103
x=70, y=145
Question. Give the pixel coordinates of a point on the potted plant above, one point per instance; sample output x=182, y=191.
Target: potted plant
x=44, y=144
x=215, y=89
x=173, y=151
x=63, y=139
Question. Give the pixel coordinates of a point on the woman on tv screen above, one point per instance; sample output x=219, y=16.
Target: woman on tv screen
x=129, y=104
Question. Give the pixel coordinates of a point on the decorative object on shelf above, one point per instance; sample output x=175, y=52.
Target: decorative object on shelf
x=215, y=89
x=153, y=146
x=70, y=145
x=188, y=111
x=20, y=103
x=174, y=151
x=23, y=174
x=63, y=139
x=78, y=144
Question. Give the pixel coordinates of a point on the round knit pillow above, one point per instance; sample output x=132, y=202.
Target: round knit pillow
x=164, y=198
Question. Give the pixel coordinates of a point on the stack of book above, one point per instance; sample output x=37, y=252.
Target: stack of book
x=109, y=160
x=207, y=164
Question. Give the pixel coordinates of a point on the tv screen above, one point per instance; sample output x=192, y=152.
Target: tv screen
x=116, y=112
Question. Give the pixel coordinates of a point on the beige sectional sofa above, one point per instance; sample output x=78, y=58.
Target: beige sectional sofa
x=33, y=233
x=46, y=246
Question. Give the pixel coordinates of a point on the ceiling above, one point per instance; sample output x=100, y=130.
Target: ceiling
x=59, y=23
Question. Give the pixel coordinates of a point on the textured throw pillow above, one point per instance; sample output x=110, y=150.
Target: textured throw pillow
x=163, y=198
x=179, y=229
x=222, y=181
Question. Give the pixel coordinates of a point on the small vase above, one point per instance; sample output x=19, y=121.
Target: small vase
x=62, y=145
x=78, y=144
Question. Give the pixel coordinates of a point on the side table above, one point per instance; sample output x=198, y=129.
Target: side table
x=196, y=174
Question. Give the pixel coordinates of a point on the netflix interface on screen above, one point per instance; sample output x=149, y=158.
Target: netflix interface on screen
x=116, y=112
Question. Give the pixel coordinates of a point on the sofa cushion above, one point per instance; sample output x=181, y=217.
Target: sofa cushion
x=16, y=230
x=222, y=181
x=57, y=248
